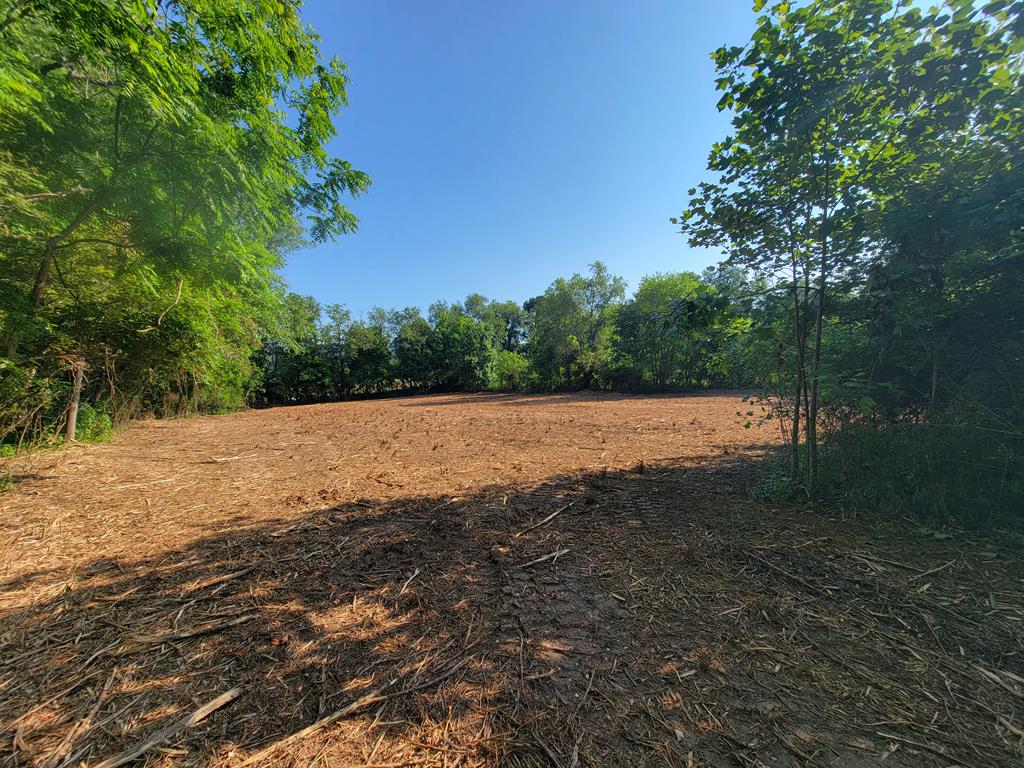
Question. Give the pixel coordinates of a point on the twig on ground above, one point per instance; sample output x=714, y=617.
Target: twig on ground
x=56, y=757
x=552, y=556
x=547, y=519
x=203, y=629
x=363, y=701
x=942, y=567
x=218, y=580
x=408, y=582
x=170, y=730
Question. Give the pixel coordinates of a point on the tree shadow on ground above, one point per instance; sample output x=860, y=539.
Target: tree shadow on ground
x=631, y=618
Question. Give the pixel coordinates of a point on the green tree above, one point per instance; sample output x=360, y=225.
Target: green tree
x=461, y=352
x=413, y=355
x=511, y=371
x=368, y=359
x=828, y=100
x=571, y=327
x=157, y=160
x=872, y=178
x=339, y=318
x=505, y=319
x=657, y=344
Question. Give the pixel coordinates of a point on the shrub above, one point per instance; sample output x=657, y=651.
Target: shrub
x=94, y=424
x=940, y=472
x=510, y=371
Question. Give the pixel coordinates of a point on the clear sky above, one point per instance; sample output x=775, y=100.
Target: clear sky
x=514, y=142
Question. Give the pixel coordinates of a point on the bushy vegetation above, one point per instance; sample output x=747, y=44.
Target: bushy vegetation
x=872, y=184
x=581, y=333
x=157, y=160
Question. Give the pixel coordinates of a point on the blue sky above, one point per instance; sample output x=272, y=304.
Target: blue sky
x=514, y=142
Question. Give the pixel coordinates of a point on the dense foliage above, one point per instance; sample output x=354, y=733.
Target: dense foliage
x=157, y=159
x=872, y=182
x=674, y=333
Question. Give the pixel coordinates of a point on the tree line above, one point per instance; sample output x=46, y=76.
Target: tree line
x=158, y=160
x=677, y=331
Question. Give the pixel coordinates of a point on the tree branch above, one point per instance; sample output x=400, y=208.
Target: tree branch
x=97, y=240
x=177, y=298
x=76, y=190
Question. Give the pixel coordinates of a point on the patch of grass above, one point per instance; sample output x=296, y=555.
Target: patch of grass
x=94, y=425
x=934, y=472
x=774, y=483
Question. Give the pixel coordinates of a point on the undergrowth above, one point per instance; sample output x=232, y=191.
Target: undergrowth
x=94, y=425
x=774, y=483
x=937, y=472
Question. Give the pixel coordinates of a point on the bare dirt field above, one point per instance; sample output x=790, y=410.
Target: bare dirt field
x=482, y=580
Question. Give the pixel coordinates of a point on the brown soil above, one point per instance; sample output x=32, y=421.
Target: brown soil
x=376, y=584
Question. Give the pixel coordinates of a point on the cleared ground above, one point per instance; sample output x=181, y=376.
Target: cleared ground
x=578, y=580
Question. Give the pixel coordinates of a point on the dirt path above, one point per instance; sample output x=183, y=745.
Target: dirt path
x=396, y=561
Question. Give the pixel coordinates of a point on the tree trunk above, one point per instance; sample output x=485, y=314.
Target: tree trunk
x=934, y=393
x=794, y=458
x=799, y=340
x=36, y=296
x=812, y=407
x=78, y=370
x=807, y=401
x=812, y=410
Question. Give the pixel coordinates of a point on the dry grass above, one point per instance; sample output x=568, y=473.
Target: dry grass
x=468, y=581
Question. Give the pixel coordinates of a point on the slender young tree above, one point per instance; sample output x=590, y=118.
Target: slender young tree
x=827, y=99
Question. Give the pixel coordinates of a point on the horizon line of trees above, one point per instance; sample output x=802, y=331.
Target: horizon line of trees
x=675, y=332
